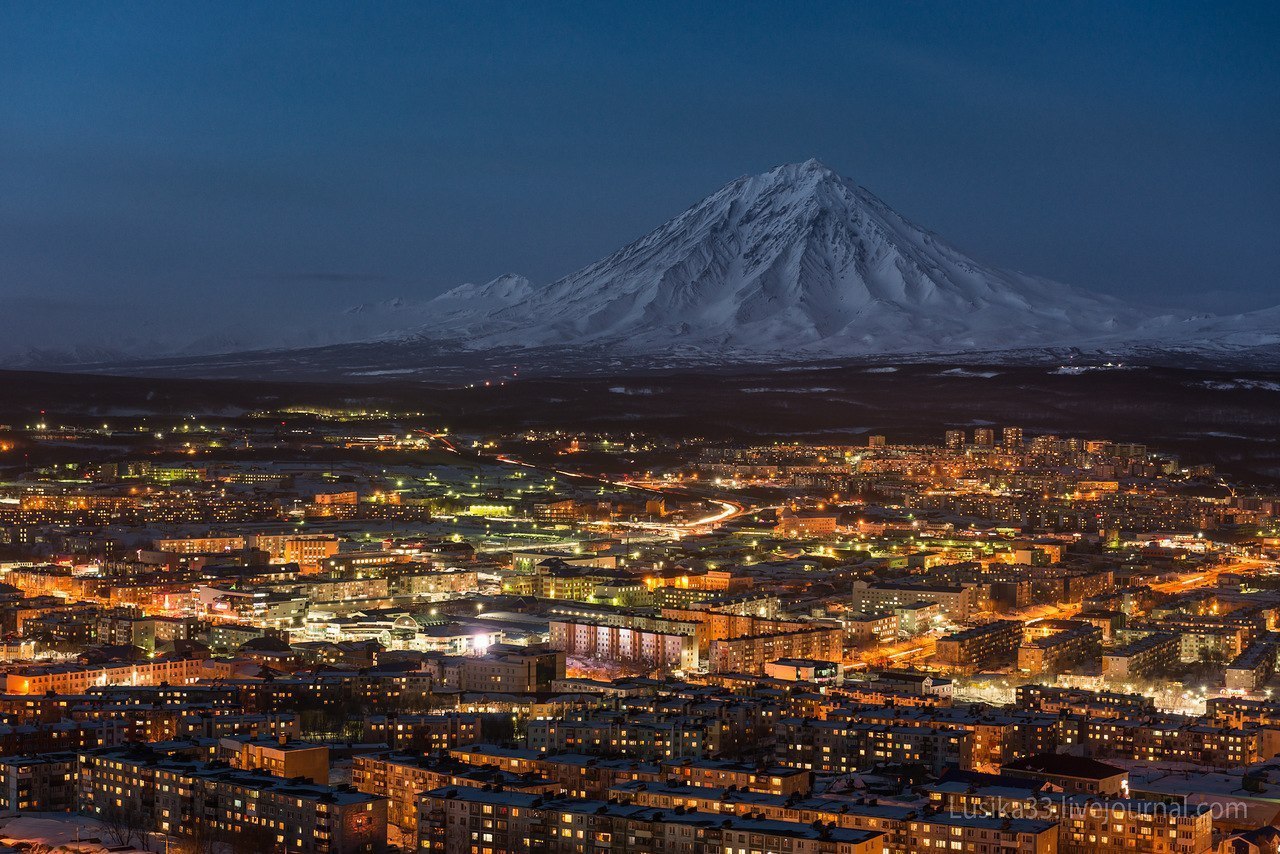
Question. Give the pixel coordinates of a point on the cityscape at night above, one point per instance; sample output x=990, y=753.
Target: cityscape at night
x=785, y=527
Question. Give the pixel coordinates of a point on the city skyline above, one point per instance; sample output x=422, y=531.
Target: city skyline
x=661, y=428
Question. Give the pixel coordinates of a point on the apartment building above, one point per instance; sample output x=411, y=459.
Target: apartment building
x=1088, y=826
x=428, y=733
x=863, y=629
x=841, y=747
x=308, y=551
x=77, y=679
x=199, y=545
x=627, y=639
x=279, y=756
x=647, y=735
x=38, y=783
x=582, y=775
x=460, y=820
x=996, y=736
x=512, y=669
x=752, y=653
x=858, y=814
x=433, y=586
x=770, y=779
x=957, y=602
x=401, y=777
x=1061, y=650
x=178, y=797
x=982, y=646
x=1142, y=658
x=957, y=832
x=1251, y=669
x=1084, y=703
x=1071, y=774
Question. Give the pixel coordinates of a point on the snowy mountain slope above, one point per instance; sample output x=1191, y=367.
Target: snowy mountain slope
x=792, y=265
x=472, y=301
x=795, y=260
x=372, y=321
x=1208, y=333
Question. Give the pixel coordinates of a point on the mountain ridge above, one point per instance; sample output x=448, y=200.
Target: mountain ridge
x=797, y=263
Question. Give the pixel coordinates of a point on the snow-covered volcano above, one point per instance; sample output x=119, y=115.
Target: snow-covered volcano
x=797, y=260
x=797, y=264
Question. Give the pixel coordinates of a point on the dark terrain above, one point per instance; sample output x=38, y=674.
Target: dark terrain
x=1228, y=418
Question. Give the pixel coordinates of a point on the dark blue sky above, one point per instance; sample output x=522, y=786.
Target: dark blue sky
x=191, y=160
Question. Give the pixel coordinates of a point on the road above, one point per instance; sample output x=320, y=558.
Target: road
x=1209, y=577
x=728, y=509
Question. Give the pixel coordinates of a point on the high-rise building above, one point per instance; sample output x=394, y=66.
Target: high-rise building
x=985, y=437
x=1011, y=437
x=1049, y=444
x=955, y=438
x=875, y=441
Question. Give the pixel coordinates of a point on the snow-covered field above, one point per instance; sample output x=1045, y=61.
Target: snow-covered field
x=63, y=832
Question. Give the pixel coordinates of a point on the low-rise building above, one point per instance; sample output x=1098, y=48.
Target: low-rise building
x=1072, y=774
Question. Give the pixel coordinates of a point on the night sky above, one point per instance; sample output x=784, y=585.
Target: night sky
x=214, y=166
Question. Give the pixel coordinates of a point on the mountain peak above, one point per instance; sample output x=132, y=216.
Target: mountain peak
x=810, y=174
x=812, y=166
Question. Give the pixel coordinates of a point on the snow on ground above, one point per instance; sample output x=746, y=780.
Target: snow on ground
x=56, y=831
x=1242, y=384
